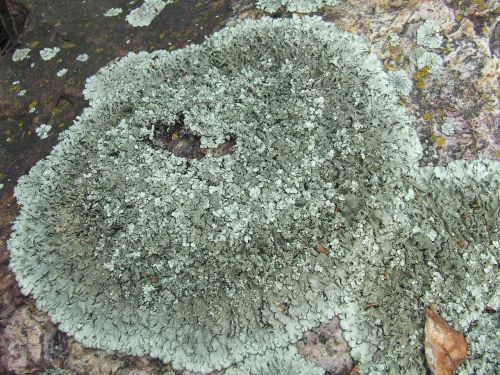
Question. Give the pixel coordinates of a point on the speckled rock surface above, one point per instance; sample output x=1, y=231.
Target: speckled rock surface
x=457, y=114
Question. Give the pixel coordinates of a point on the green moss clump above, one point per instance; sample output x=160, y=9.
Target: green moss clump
x=214, y=263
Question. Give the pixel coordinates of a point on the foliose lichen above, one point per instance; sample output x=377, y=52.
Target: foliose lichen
x=43, y=130
x=57, y=371
x=49, y=53
x=423, y=58
x=21, y=54
x=213, y=262
x=146, y=13
x=428, y=35
x=401, y=82
x=300, y=6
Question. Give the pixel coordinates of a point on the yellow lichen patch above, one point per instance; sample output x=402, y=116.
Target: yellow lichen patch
x=14, y=88
x=61, y=125
x=427, y=117
x=419, y=76
x=481, y=4
x=458, y=17
x=420, y=85
x=29, y=132
x=440, y=115
x=59, y=107
x=402, y=101
x=438, y=141
x=34, y=44
x=69, y=45
x=33, y=104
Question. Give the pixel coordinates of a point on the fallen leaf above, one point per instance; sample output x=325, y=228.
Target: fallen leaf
x=445, y=348
x=321, y=249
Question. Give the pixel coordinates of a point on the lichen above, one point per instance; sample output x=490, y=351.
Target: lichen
x=278, y=361
x=401, y=82
x=448, y=127
x=21, y=54
x=300, y=6
x=62, y=72
x=423, y=58
x=428, y=35
x=146, y=13
x=49, y=53
x=321, y=209
x=112, y=12
x=56, y=371
x=83, y=57
x=43, y=130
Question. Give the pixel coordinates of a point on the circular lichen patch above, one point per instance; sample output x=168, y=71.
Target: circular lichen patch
x=215, y=202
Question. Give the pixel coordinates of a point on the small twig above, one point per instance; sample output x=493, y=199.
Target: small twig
x=407, y=179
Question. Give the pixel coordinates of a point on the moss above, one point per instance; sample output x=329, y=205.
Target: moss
x=130, y=248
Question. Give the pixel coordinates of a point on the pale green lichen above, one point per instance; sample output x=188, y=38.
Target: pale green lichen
x=448, y=127
x=83, y=57
x=146, y=13
x=428, y=35
x=401, y=82
x=394, y=40
x=276, y=361
x=113, y=12
x=213, y=263
x=423, y=58
x=57, y=371
x=43, y=130
x=62, y=72
x=49, y=53
x=21, y=54
x=300, y=6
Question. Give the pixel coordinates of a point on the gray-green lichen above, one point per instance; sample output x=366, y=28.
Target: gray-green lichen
x=423, y=58
x=300, y=6
x=49, y=53
x=276, y=361
x=213, y=263
x=146, y=13
x=401, y=82
x=21, y=54
x=43, y=130
x=57, y=371
x=428, y=35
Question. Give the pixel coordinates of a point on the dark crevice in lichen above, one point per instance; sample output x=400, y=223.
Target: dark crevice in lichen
x=181, y=142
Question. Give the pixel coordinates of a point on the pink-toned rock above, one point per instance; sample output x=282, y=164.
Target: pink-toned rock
x=326, y=346
x=445, y=348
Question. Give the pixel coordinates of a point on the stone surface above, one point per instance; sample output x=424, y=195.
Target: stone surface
x=326, y=346
x=445, y=348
